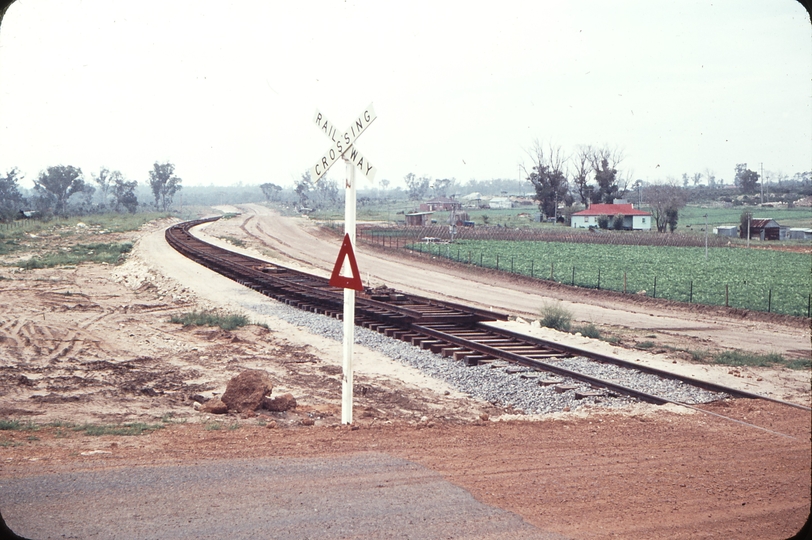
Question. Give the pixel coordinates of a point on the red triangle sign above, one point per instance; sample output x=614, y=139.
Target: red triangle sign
x=337, y=280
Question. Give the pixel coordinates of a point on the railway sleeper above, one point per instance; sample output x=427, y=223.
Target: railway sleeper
x=476, y=359
x=452, y=351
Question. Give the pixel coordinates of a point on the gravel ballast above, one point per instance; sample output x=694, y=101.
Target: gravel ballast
x=498, y=383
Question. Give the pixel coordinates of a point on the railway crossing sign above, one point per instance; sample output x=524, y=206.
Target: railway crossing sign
x=344, y=144
x=344, y=147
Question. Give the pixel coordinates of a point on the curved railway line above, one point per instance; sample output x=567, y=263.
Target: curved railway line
x=450, y=329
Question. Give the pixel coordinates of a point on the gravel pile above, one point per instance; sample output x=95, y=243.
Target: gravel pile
x=498, y=383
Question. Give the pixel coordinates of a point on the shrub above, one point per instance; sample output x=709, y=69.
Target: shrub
x=556, y=317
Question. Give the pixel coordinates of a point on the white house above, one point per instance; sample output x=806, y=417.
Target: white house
x=633, y=219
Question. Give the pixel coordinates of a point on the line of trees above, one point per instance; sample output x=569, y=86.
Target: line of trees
x=590, y=173
x=62, y=188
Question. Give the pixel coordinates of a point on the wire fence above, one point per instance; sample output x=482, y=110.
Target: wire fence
x=793, y=300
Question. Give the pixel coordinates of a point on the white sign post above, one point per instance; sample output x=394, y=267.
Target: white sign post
x=344, y=146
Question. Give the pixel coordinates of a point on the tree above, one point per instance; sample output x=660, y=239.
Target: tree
x=384, y=184
x=57, y=184
x=302, y=189
x=665, y=200
x=696, y=179
x=325, y=193
x=124, y=194
x=604, y=164
x=11, y=200
x=416, y=187
x=104, y=181
x=549, y=178
x=164, y=184
x=746, y=180
x=441, y=187
x=583, y=168
x=711, y=178
x=270, y=191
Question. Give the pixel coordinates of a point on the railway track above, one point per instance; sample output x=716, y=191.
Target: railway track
x=452, y=330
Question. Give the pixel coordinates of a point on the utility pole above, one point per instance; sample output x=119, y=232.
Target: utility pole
x=706, y=237
x=749, y=215
x=762, y=182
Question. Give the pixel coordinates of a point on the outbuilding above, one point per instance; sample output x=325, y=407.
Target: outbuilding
x=418, y=219
x=726, y=230
x=763, y=229
x=633, y=219
x=798, y=233
x=440, y=204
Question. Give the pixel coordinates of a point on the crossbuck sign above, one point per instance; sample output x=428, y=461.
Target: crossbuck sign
x=343, y=146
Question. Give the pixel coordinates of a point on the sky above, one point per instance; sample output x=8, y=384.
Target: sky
x=227, y=91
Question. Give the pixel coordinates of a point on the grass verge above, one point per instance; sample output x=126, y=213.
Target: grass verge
x=739, y=358
x=110, y=253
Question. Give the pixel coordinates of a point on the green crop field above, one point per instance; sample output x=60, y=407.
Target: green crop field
x=756, y=279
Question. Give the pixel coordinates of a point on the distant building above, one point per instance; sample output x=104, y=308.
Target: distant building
x=500, y=203
x=633, y=219
x=440, y=204
x=418, y=219
x=797, y=233
x=763, y=229
x=726, y=230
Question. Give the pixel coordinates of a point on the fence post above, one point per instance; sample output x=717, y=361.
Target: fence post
x=770, y=301
x=480, y=259
x=691, y=293
x=809, y=307
x=726, y=297
x=552, y=271
x=624, y=282
x=599, y=278
x=469, y=257
x=531, y=268
x=497, y=261
x=655, y=286
x=573, y=277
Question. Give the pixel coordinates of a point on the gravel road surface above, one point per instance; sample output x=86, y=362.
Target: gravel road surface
x=369, y=495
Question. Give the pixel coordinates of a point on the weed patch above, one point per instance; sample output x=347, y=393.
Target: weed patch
x=210, y=318
x=136, y=428
x=737, y=358
x=588, y=330
x=16, y=425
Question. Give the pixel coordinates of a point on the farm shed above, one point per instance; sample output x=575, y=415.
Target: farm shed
x=440, y=204
x=418, y=219
x=764, y=229
x=797, y=233
x=633, y=219
x=726, y=230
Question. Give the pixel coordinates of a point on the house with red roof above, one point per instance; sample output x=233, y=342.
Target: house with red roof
x=633, y=219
